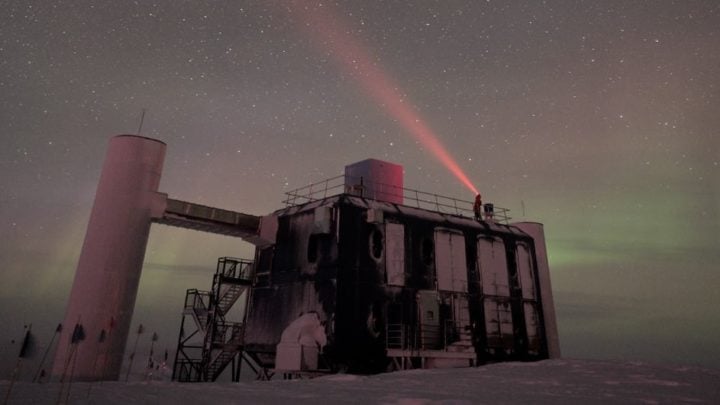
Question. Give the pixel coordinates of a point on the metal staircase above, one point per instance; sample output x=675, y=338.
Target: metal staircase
x=216, y=323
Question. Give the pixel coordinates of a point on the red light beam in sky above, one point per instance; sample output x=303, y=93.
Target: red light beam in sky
x=329, y=33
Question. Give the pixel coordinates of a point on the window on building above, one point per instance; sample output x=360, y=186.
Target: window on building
x=312, y=249
x=376, y=244
x=428, y=251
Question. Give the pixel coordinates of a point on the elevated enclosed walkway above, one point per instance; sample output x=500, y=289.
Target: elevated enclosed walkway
x=198, y=217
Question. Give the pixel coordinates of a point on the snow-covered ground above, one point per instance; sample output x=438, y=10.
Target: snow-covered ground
x=551, y=381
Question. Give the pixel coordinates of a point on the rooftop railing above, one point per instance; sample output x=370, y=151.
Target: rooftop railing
x=388, y=193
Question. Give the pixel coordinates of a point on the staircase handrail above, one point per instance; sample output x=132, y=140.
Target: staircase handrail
x=232, y=267
x=223, y=337
x=200, y=299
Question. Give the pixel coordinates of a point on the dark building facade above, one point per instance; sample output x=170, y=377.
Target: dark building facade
x=366, y=276
x=395, y=286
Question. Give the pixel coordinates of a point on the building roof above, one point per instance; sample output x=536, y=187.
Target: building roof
x=445, y=218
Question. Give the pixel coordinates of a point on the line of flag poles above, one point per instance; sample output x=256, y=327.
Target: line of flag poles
x=28, y=346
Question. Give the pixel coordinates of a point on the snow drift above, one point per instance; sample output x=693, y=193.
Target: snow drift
x=550, y=381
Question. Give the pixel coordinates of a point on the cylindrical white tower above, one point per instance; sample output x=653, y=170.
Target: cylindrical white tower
x=106, y=281
x=535, y=230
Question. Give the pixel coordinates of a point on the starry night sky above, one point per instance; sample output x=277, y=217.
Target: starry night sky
x=597, y=118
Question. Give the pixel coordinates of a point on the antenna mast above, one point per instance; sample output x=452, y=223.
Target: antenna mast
x=142, y=119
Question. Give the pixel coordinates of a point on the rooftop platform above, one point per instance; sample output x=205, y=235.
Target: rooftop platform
x=344, y=184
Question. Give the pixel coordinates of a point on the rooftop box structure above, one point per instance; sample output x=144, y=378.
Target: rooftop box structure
x=375, y=179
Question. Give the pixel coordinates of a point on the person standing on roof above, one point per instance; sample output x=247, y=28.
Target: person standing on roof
x=478, y=207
